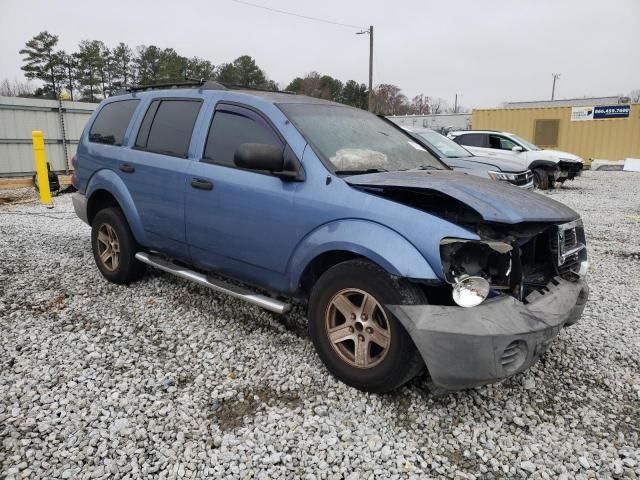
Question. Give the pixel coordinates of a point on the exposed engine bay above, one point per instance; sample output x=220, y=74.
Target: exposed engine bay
x=516, y=259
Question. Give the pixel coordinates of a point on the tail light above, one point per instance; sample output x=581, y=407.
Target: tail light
x=73, y=179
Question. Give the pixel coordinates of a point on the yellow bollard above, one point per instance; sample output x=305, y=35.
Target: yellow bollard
x=41, y=167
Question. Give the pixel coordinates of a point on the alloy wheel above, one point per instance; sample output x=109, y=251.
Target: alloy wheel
x=358, y=328
x=108, y=247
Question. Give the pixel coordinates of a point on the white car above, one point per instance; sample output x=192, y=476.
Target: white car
x=548, y=166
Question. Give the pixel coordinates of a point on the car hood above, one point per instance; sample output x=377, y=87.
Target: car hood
x=490, y=163
x=564, y=155
x=493, y=201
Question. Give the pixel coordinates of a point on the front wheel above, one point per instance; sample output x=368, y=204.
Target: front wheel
x=541, y=179
x=114, y=247
x=359, y=340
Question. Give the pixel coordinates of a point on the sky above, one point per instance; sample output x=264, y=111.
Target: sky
x=487, y=51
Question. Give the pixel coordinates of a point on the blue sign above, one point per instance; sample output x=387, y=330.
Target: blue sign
x=611, y=111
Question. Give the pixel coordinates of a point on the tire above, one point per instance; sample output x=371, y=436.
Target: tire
x=109, y=229
x=541, y=179
x=383, y=369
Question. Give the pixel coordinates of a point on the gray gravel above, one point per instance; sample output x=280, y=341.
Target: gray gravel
x=166, y=379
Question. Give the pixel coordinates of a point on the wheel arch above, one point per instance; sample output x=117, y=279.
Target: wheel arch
x=546, y=164
x=348, y=239
x=105, y=189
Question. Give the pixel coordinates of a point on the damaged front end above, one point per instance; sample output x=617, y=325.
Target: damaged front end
x=510, y=291
x=517, y=259
x=535, y=278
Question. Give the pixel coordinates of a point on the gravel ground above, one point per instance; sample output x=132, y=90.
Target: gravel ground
x=167, y=379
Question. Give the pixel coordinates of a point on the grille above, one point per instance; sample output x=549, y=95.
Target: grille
x=568, y=248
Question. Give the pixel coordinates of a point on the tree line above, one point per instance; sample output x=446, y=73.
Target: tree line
x=94, y=71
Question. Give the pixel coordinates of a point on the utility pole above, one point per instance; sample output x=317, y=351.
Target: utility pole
x=455, y=104
x=369, y=32
x=556, y=76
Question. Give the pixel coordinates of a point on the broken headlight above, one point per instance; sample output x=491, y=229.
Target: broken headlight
x=490, y=260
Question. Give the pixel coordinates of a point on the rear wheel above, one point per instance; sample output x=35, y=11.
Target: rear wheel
x=360, y=341
x=114, y=247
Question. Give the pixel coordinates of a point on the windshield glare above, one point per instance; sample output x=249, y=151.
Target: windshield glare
x=527, y=145
x=354, y=140
x=444, y=145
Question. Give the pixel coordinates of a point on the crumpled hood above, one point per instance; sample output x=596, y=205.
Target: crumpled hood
x=494, y=201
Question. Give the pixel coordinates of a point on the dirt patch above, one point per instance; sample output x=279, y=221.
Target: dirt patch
x=231, y=413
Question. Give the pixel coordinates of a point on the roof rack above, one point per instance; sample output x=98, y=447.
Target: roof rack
x=193, y=83
x=235, y=86
x=200, y=84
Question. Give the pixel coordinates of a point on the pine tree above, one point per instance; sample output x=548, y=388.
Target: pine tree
x=42, y=62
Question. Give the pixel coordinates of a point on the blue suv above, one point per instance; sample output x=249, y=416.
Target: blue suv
x=404, y=265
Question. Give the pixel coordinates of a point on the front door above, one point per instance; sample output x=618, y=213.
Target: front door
x=240, y=222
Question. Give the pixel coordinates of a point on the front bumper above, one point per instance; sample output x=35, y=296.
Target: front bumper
x=79, y=201
x=466, y=347
x=569, y=170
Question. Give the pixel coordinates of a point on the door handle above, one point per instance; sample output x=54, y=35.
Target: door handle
x=201, y=184
x=126, y=168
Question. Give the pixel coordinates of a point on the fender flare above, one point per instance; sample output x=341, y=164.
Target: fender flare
x=378, y=243
x=543, y=164
x=109, y=181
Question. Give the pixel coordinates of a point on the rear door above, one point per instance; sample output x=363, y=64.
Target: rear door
x=476, y=143
x=155, y=172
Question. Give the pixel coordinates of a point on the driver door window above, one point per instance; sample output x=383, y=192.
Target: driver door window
x=231, y=127
x=501, y=143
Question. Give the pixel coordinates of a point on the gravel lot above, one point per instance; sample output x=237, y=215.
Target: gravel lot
x=167, y=379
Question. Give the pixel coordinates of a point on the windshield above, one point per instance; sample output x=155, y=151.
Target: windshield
x=356, y=141
x=444, y=145
x=527, y=145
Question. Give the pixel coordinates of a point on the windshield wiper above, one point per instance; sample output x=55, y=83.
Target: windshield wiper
x=360, y=171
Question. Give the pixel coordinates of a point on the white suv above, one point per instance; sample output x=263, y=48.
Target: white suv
x=548, y=166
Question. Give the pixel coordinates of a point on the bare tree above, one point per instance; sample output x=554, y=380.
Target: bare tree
x=389, y=100
x=634, y=95
x=15, y=88
x=420, y=105
x=438, y=105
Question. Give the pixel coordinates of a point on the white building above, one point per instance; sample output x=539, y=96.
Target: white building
x=440, y=122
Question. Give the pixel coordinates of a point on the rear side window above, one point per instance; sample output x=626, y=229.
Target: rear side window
x=471, y=139
x=167, y=127
x=230, y=128
x=112, y=121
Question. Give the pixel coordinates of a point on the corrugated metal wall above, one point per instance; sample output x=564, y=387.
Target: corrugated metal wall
x=19, y=116
x=607, y=139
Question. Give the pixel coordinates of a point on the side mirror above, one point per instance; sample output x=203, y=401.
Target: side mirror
x=517, y=149
x=264, y=157
x=259, y=156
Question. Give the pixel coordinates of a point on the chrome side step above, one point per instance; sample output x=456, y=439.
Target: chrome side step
x=214, y=284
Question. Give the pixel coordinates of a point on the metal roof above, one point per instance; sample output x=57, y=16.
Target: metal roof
x=569, y=102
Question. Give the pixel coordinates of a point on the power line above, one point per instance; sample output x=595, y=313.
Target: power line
x=306, y=17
